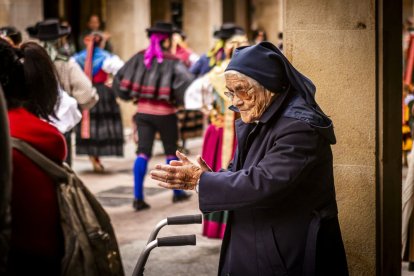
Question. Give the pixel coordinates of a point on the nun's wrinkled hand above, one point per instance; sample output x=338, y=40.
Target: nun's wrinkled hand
x=180, y=174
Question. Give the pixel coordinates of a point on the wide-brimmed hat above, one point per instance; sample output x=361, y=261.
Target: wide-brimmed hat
x=161, y=27
x=50, y=29
x=227, y=30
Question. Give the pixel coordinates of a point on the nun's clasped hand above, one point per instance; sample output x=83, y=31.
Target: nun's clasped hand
x=180, y=174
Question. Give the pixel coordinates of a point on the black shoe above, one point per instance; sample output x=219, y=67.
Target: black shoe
x=181, y=197
x=410, y=266
x=140, y=205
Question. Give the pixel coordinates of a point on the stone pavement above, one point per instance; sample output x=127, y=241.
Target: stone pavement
x=114, y=190
x=404, y=270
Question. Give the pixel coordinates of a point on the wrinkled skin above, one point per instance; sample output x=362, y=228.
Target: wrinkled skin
x=181, y=175
x=252, y=107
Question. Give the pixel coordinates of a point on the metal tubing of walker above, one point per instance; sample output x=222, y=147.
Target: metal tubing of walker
x=157, y=229
x=140, y=267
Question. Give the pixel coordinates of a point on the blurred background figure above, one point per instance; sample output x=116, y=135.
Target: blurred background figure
x=258, y=36
x=190, y=122
x=407, y=141
x=95, y=25
x=12, y=35
x=100, y=132
x=156, y=80
x=30, y=85
x=66, y=44
x=71, y=77
x=180, y=49
x=280, y=42
x=216, y=54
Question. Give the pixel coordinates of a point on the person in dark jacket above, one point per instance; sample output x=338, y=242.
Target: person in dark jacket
x=279, y=189
x=156, y=80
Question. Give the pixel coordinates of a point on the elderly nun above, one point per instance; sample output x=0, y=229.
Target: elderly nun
x=279, y=188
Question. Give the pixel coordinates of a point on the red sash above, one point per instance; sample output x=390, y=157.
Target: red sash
x=86, y=123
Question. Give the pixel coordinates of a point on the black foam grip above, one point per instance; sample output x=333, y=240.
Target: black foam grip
x=177, y=240
x=191, y=219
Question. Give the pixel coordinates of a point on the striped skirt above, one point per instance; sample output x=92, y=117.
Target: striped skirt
x=106, y=131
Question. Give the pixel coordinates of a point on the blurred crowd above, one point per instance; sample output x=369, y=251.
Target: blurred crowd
x=55, y=92
x=407, y=136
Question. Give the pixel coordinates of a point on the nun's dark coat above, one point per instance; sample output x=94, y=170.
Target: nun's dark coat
x=279, y=190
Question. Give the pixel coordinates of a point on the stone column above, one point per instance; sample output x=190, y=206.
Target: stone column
x=21, y=13
x=268, y=15
x=335, y=47
x=4, y=12
x=200, y=20
x=241, y=14
x=160, y=11
x=127, y=21
x=408, y=9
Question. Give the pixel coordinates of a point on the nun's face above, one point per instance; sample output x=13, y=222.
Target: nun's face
x=251, y=100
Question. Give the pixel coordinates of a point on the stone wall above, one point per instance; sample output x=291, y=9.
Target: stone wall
x=333, y=43
x=268, y=16
x=20, y=13
x=160, y=10
x=127, y=21
x=200, y=19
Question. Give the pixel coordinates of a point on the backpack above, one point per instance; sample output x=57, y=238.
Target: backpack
x=90, y=243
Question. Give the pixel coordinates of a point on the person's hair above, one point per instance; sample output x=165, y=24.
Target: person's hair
x=252, y=82
x=29, y=78
x=257, y=32
x=280, y=35
x=11, y=32
x=162, y=43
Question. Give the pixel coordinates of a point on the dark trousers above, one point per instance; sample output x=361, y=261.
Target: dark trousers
x=148, y=125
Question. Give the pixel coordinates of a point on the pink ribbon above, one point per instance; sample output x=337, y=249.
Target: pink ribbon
x=154, y=49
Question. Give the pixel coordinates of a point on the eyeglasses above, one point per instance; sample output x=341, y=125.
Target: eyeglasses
x=242, y=95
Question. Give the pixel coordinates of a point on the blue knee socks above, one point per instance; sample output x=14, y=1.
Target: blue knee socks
x=171, y=158
x=140, y=169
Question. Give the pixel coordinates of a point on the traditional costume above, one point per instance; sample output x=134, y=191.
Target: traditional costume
x=71, y=77
x=157, y=80
x=100, y=132
x=216, y=54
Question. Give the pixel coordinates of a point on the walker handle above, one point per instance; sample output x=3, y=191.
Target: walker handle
x=177, y=240
x=190, y=219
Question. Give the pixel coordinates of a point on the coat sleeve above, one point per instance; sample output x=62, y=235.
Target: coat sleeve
x=112, y=64
x=196, y=67
x=81, y=87
x=116, y=85
x=123, y=81
x=280, y=170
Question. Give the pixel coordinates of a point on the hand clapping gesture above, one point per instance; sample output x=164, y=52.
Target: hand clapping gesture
x=180, y=174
